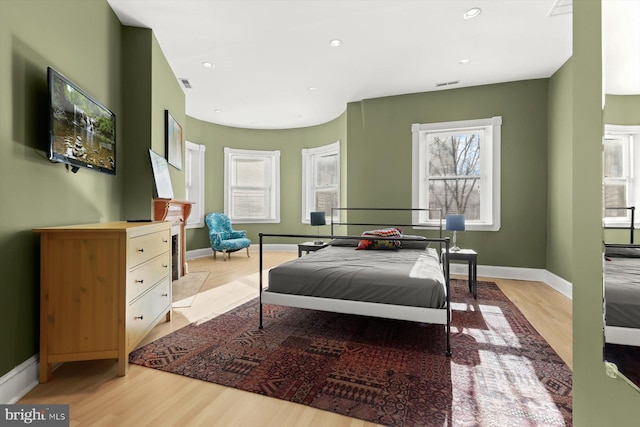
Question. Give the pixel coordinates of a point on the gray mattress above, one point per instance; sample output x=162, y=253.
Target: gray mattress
x=409, y=277
x=622, y=292
x=621, y=251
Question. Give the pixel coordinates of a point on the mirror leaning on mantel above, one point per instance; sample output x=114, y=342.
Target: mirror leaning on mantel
x=621, y=186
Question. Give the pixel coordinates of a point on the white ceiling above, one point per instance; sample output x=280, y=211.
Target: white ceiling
x=267, y=53
x=621, y=46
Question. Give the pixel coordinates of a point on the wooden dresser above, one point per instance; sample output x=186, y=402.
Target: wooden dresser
x=103, y=287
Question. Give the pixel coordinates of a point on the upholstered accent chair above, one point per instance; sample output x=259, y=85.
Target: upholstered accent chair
x=223, y=237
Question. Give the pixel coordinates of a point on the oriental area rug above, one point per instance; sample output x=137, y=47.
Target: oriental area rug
x=395, y=373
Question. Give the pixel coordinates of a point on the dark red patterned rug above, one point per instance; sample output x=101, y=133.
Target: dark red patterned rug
x=502, y=372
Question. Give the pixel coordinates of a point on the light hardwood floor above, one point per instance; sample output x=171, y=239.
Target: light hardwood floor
x=97, y=397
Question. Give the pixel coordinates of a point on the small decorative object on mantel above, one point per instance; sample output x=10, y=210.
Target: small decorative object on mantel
x=173, y=140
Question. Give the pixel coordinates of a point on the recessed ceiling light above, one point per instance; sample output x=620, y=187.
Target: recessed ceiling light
x=472, y=13
x=464, y=61
x=335, y=43
x=312, y=88
x=208, y=65
x=217, y=111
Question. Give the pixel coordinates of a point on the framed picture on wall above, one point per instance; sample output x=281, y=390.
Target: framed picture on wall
x=173, y=142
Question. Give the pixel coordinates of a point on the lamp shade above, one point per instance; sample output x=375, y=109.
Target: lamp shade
x=317, y=218
x=455, y=222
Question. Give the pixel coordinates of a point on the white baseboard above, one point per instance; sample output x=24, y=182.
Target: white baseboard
x=559, y=284
x=519, y=273
x=19, y=381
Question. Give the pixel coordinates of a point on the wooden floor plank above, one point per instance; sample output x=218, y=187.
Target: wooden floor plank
x=151, y=397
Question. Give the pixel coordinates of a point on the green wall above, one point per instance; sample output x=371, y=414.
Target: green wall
x=622, y=110
x=85, y=41
x=290, y=142
x=379, y=152
x=597, y=399
x=559, y=186
x=166, y=94
x=95, y=54
x=376, y=157
x=145, y=101
x=137, y=96
x=33, y=191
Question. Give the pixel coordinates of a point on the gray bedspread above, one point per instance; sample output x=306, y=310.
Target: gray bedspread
x=622, y=292
x=409, y=277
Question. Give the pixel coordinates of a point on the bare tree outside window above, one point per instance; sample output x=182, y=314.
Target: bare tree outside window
x=321, y=181
x=454, y=172
x=326, y=183
x=615, y=179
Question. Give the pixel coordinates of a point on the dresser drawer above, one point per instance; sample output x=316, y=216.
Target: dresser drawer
x=147, y=246
x=146, y=275
x=143, y=312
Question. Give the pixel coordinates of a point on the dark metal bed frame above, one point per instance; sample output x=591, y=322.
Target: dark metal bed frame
x=440, y=240
x=621, y=335
x=631, y=226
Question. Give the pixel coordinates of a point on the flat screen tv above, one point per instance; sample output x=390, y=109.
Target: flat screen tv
x=82, y=130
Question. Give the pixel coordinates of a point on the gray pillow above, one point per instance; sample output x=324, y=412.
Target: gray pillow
x=413, y=244
x=344, y=242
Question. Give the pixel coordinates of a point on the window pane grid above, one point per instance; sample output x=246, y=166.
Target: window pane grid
x=321, y=180
x=615, y=195
x=251, y=191
x=456, y=169
x=453, y=171
x=617, y=168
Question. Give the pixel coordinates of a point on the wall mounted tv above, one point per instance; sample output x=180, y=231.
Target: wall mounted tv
x=82, y=130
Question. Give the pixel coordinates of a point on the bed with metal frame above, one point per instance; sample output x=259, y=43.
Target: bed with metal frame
x=423, y=314
x=622, y=287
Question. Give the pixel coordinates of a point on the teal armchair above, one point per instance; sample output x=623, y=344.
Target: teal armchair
x=223, y=237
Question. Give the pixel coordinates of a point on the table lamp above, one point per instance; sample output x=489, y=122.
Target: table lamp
x=455, y=223
x=317, y=219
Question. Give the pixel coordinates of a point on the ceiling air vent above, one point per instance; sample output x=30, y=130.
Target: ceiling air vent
x=185, y=83
x=561, y=7
x=447, y=83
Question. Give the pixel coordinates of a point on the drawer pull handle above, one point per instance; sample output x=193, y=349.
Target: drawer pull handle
x=141, y=250
x=165, y=265
x=139, y=317
x=165, y=241
x=164, y=295
x=140, y=281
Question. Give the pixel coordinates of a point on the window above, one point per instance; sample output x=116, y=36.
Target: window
x=252, y=185
x=456, y=168
x=321, y=180
x=194, y=183
x=620, y=159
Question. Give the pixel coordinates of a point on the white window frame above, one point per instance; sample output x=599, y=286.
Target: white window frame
x=631, y=162
x=194, y=182
x=273, y=184
x=310, y=158
x=489, y=173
